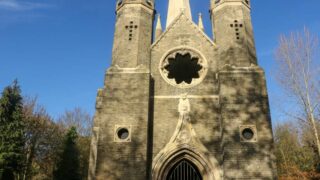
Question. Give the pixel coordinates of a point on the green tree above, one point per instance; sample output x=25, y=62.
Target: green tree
x=68, y=167
x=82, y=120
x=11, y=133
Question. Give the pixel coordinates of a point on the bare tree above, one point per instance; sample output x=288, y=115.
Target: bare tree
x=43, y=140
x=78, y=118
x=298, y=74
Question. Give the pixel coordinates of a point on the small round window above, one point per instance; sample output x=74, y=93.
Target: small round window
x=247, y=134
x=123, y=133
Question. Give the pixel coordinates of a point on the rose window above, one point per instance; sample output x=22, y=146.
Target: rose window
x=183, y=68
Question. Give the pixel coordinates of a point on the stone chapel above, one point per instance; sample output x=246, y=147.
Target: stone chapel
x=180, y=105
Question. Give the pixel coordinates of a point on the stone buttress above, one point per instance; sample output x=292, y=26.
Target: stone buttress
x=120, y=133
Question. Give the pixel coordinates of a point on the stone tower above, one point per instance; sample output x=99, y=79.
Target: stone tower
x=182, y=105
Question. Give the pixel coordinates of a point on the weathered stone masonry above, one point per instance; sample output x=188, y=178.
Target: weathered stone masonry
x=182, y=102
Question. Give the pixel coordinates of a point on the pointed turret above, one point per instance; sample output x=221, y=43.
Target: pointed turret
x=233, y=31
x=200, y=22
x=158, y=27
x=134, y=17
x=176, y=7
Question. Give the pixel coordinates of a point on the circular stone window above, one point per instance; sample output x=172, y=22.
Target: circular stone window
x=247, y=134
x=183, y=68
x=123, y=133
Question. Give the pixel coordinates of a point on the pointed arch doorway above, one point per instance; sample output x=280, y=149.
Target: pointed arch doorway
x=186, y=163
x=184, y=170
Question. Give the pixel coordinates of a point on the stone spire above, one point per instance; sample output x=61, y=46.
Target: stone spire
x=200, y=23
x=158, y=27
x=176, y=7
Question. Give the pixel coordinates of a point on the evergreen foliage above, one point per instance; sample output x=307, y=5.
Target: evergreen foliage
x=68, y=167
x=11, y=133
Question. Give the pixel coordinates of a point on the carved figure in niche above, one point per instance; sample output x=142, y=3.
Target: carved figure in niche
x=184, y=105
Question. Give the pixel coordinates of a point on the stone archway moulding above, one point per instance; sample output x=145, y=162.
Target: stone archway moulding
x=184, y=144
x=207, y=166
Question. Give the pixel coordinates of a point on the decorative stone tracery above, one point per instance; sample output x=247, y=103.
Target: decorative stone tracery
x=183, y=67
x=185, y=145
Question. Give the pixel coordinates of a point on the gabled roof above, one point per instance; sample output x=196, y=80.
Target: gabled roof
x=175, y=21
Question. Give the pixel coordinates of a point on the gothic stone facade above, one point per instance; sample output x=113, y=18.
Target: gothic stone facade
x=182, y=99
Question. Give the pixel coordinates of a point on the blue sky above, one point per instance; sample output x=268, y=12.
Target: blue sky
x=60, y=49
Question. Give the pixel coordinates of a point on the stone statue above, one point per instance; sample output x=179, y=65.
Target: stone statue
x=184, y=105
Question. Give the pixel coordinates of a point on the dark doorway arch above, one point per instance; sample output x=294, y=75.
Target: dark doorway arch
x=184, y=170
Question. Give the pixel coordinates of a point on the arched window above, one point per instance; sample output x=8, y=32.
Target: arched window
x=184, y=170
